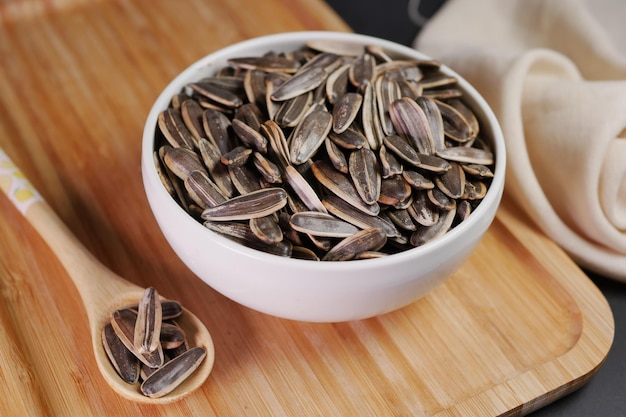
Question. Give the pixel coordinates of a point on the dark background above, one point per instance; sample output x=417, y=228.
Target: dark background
x=605, y=394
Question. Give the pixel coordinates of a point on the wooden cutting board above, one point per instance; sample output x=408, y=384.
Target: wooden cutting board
x=517, y=327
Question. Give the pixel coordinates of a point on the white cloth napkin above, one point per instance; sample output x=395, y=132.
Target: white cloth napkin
x=554, y=72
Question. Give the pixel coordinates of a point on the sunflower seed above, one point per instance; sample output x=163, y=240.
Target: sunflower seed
x=277, y=142
x=410, y=89
x=387, y=91
x=145, y=371
x=422, y=210
x=321, y=224
x=248, y=206
x=464, y=154
x=233, y=229
x=443, y=93
x=171, y=336
x=291, y=111
x=389, y=164
x=212, y=159
x=307, y=137
x=272, y=63
x=455, y=125
x=173, y=373
x=349, y=247
x=249, y=136
x=417, y=180
x=402, y=148
x=410, y=121
x=345, y=211
x=362, y=70
x=302, y=82
x=477, y=170
x=266, y=229
x=452, y=182
x=394, y=190
x=232, y=83
x=163, y=175
x=171, y=309
x=202, y=190
x=370, y=119
x=244, y=179
x=401, y=218
x=341, y=185
x=125, y=363
x=174, y=181
x=191, y=113
x=400, y=70
x=474, y=190
x=216, y=94
x=303, y=189
x=251, y=115
x=301, y=252
x=123, y=323
x=269, y=170
x=463, y=210
x=337, y=84
x=173, y=128
x=345, y=111
x=348, y=139
x=365, y=173
x=148, y=323
x=237, y=156
x=336, y=156
x=177, y=100
x=437, y=81
x=272, y=82
x=435, y=121
x=255, y=88
x=467, y=114
x=182, y=161
x=440, y=199
x=427, y=233
x=433, y=163
x=327, y=61
x=217, y=129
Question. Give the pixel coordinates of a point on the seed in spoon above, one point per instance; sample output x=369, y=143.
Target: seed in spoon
x=171, y=336
x=123, y=322
x=125, y=363
x=148, y=323
x=165, y=379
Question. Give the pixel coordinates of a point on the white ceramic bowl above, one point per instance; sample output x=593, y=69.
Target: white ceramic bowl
x=308, y=290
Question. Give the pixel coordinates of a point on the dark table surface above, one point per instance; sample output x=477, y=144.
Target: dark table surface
x=605, y=393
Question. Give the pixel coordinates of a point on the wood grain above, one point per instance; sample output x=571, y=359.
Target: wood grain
x=517, y=327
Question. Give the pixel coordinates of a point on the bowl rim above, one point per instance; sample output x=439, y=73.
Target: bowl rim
x=206, y=63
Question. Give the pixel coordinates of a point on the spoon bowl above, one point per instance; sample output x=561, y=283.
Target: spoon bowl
x=101, y=290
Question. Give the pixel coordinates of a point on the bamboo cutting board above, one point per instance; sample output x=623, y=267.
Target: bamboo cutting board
x=516, y=328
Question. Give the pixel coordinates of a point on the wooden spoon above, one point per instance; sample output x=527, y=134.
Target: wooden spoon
x=101, y=290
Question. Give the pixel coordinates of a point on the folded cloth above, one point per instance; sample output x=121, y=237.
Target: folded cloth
x=554, y=73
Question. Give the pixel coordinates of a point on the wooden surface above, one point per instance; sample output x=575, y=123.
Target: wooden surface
x=517, y=327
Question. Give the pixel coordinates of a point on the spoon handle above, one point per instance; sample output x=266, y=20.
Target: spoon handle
x=95, y=283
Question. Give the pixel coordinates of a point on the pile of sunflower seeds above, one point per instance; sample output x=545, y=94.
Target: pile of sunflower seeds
x=145, y=344
x=331, y=152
